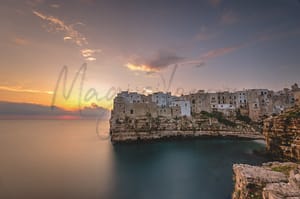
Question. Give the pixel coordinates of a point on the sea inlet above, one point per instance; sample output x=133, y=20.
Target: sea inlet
x=66, y=159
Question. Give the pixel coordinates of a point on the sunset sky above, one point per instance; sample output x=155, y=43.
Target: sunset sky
x=136, y=45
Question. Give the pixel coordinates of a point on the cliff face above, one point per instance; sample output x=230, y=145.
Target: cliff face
x=148, y=128
x=272, y=180
x=282, y=134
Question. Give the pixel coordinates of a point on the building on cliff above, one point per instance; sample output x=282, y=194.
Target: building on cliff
x=257, y=104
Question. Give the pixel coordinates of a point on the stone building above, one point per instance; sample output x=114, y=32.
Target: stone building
x=135, y=105
x=255, y=103
x=296, y=94
x=185, y=107
x=297, y=97
x=199, y=101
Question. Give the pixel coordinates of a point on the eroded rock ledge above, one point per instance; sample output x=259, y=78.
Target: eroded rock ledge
x=146, y=136
x=272, y=180
x=147, y=128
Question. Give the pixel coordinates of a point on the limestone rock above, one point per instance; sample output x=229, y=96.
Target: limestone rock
x=282, y=134
x=273, y=180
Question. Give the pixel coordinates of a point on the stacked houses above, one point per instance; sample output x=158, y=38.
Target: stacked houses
x=255, y=103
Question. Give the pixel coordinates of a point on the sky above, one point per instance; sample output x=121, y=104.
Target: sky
x=146, y=46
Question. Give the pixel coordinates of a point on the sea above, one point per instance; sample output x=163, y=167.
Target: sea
x=75, y=159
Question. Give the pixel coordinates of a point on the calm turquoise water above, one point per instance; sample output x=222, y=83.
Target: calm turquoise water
x=66, y=159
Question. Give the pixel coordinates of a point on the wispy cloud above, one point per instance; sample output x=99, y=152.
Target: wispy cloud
x=67, y=38
x=89, y=54
x=23, y=90
x=20, y=41
x=219, y=52
x=214, y=3
x=57, y=25
x=228, y=18
x=205, y=36
x=205, y=57
x=55, y=6
x=158, y=62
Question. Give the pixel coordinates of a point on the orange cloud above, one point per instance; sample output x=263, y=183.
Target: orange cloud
x=22, y=90
x=160, y=60
x=20, y=41
x=143, y=68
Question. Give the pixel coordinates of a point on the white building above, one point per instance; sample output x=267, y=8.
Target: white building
x=161, y=99
x=185, y=107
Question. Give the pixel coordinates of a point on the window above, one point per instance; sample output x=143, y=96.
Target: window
x=131, y=111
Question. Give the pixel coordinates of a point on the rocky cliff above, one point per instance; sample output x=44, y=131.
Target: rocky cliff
x=282, y=134
x=149, y=128
x=272, y=180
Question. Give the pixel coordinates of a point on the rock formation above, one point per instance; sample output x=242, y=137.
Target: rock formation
x=272, y=180
x=150, y=128
x=282, y=134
